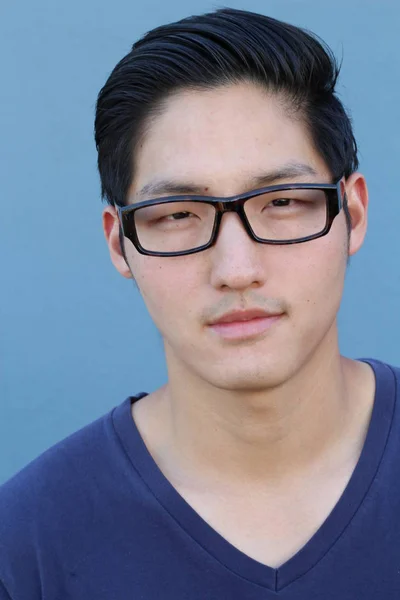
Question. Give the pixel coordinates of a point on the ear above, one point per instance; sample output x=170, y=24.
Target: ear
x=357, y=201
x=111, y=232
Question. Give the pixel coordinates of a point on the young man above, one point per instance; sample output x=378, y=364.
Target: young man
x=268, y=465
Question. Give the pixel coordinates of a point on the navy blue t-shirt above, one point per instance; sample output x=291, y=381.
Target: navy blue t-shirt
x=93, y=518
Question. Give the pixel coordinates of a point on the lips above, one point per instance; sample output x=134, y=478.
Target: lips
x=243, y=315
x=240, y=325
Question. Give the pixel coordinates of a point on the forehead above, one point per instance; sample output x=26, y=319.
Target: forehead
x=219, y=138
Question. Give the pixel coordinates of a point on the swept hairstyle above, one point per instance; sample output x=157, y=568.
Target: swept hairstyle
x=215, y=49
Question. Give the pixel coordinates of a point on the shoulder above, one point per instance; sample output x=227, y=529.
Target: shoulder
x=47, y=471
x=396, y=372
x=383, y=370
x=52, y=496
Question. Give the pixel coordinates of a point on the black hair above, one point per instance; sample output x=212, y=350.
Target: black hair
x=210, y=50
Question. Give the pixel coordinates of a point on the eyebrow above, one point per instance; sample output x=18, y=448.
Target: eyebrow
x=170, y=186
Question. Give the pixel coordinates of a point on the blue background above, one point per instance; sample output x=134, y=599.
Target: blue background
x=75, y=337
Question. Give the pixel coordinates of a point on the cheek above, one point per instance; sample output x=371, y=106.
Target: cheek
x=317, y=276
x=169, y=287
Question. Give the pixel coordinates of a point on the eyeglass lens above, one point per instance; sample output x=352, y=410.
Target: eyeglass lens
x=185, y=225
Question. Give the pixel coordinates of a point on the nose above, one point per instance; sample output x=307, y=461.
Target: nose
x=236, y=258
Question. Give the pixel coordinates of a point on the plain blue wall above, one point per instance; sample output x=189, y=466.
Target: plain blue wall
x=75, y=338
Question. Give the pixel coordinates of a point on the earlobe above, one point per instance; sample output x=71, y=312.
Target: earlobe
x=357, y=201
x=111, y=232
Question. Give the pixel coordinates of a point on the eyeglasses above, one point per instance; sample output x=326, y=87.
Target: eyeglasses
x=185, y=224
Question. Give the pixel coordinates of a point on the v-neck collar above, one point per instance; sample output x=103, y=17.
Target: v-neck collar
x=327, y=534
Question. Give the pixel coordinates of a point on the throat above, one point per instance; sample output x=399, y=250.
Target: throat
x=211, y=443
x=252, y=475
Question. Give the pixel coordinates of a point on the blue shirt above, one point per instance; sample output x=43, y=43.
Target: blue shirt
x=93, y=518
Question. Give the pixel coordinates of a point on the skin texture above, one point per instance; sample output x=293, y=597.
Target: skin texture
x=249, y=421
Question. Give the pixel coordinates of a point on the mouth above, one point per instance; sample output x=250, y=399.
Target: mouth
x=244, y=324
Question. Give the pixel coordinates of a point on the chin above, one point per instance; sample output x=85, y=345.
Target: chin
x=254, y=379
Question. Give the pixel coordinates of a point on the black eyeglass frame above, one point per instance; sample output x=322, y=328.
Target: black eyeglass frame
x=333, y=194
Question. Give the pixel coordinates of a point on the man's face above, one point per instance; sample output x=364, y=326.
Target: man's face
x=219, y=141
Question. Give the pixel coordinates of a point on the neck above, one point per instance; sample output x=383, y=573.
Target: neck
x=237, y=436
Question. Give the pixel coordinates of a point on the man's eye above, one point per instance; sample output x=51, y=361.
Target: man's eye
x=281, y=202
x=177, y=216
